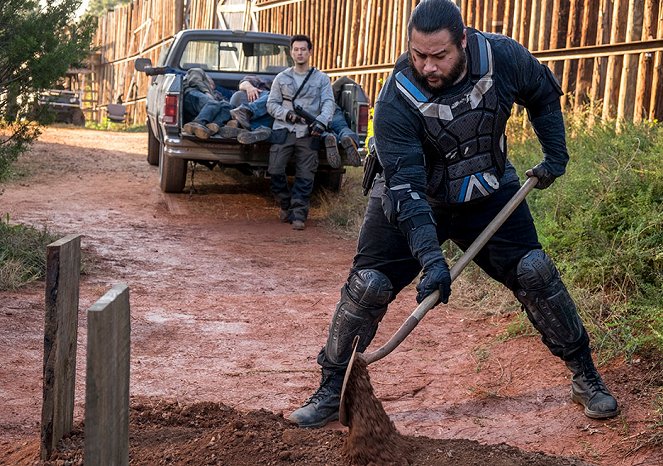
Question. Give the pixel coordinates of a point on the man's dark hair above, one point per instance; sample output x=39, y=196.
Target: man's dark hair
x=301, y=38
x=434, y=15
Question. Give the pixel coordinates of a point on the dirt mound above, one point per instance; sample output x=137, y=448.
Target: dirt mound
x=214, y=434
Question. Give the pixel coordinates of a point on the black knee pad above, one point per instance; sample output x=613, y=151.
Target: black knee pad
x=369, y=289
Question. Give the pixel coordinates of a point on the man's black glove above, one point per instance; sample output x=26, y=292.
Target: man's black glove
x=543, y=174
x=316, y=128
x=422, y=238
x=292, y=117
x=436, y=277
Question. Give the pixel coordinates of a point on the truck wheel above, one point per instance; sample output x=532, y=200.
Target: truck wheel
x=77, y=117
x=172, y=172
x=331, y=181
x=152, y=147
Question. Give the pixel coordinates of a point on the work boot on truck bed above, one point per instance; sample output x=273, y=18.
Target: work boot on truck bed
x=322, y=406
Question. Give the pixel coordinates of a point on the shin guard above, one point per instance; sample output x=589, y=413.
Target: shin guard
x=549, y=305
x=363, y=303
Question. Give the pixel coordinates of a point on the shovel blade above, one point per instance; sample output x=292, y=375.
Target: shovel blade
x=342, y=410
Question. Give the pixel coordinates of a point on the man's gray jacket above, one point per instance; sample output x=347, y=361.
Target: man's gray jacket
x=316, y=97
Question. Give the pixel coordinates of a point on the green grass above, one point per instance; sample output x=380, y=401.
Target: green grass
x=602, y=223
x=22, y=254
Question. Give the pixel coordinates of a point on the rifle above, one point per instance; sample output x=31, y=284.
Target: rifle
x=308, y=117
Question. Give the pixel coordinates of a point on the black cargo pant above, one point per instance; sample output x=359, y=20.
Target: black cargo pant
x=383, y=247
x=295, y=201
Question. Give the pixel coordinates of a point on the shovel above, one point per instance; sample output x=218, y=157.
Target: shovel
x=430, y=301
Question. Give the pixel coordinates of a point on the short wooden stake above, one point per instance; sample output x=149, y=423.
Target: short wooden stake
x=63, y=265
x=107, y=380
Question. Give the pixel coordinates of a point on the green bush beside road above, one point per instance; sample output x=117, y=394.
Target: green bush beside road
x=22, y=254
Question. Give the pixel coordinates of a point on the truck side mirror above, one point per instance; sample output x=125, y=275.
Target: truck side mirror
x=142, y=63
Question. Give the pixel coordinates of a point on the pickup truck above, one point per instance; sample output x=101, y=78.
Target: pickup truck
x=226, y=56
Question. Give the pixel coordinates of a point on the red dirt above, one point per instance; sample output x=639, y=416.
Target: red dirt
x=229, y=309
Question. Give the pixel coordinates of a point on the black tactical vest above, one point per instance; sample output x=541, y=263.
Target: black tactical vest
x=466, y=146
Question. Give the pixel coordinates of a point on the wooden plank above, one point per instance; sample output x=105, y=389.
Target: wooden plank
x=63, y=266
x=556, y=33
x=496, y=15
x=613, y=73
x=588, y=32
x=507, y=17
x=487, y=15
x=515, y=25
x=523, y=27
x=346, y=36
x=545, y=23
x=572, y=40
x=600, y=63
x=656, y=100
x=107, y=380
x=534, y=13
x=645, y=65
x=625, y=104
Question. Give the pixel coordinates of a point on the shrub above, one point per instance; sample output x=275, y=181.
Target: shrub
x=22, y=254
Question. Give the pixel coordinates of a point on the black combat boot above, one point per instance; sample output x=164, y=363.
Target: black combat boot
x=322, y=406
x=588, y=389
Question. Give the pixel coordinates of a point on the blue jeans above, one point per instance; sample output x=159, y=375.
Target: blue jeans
x=340, y=127
x=203, y=109
x=258, y=108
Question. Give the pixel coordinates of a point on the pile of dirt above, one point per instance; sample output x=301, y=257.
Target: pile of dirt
x=214, y=434
x=372, y=436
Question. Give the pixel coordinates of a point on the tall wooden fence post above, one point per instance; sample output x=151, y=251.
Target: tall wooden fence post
x=63, y=259
x=107, y=380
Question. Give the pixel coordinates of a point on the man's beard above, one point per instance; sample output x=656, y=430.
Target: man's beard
x=445, y=81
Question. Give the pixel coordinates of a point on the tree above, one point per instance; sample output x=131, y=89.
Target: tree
x=97, y=7
x=39, y=41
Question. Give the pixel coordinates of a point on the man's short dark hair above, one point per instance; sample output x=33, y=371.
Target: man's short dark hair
x=435, y=15
x=301, y=38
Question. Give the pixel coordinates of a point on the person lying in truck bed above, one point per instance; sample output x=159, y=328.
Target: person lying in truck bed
x=207, y=111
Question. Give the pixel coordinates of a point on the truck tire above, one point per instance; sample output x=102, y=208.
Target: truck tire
x=152, y=147
x=331, y=181
x=77, y=117
x=172, y=172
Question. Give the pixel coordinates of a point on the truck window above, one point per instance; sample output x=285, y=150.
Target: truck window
x=245, y=57
x=163, y=54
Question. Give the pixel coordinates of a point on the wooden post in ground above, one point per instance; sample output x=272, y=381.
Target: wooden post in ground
x=656, y=99
x=613, y=73
x=600, y=63
x=626, y=99
x=645, y=66
x=107, y=380
x=63, y=266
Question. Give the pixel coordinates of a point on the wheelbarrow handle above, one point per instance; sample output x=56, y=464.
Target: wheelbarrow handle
x=430, y=300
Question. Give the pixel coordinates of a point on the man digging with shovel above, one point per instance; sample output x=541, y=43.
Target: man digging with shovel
x=439, y=133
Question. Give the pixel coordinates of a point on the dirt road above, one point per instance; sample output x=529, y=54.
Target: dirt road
x=229, y=306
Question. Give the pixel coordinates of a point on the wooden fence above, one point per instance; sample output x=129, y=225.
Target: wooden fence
x=605, y=53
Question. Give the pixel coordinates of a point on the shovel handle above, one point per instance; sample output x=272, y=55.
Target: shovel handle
x=432, y=299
